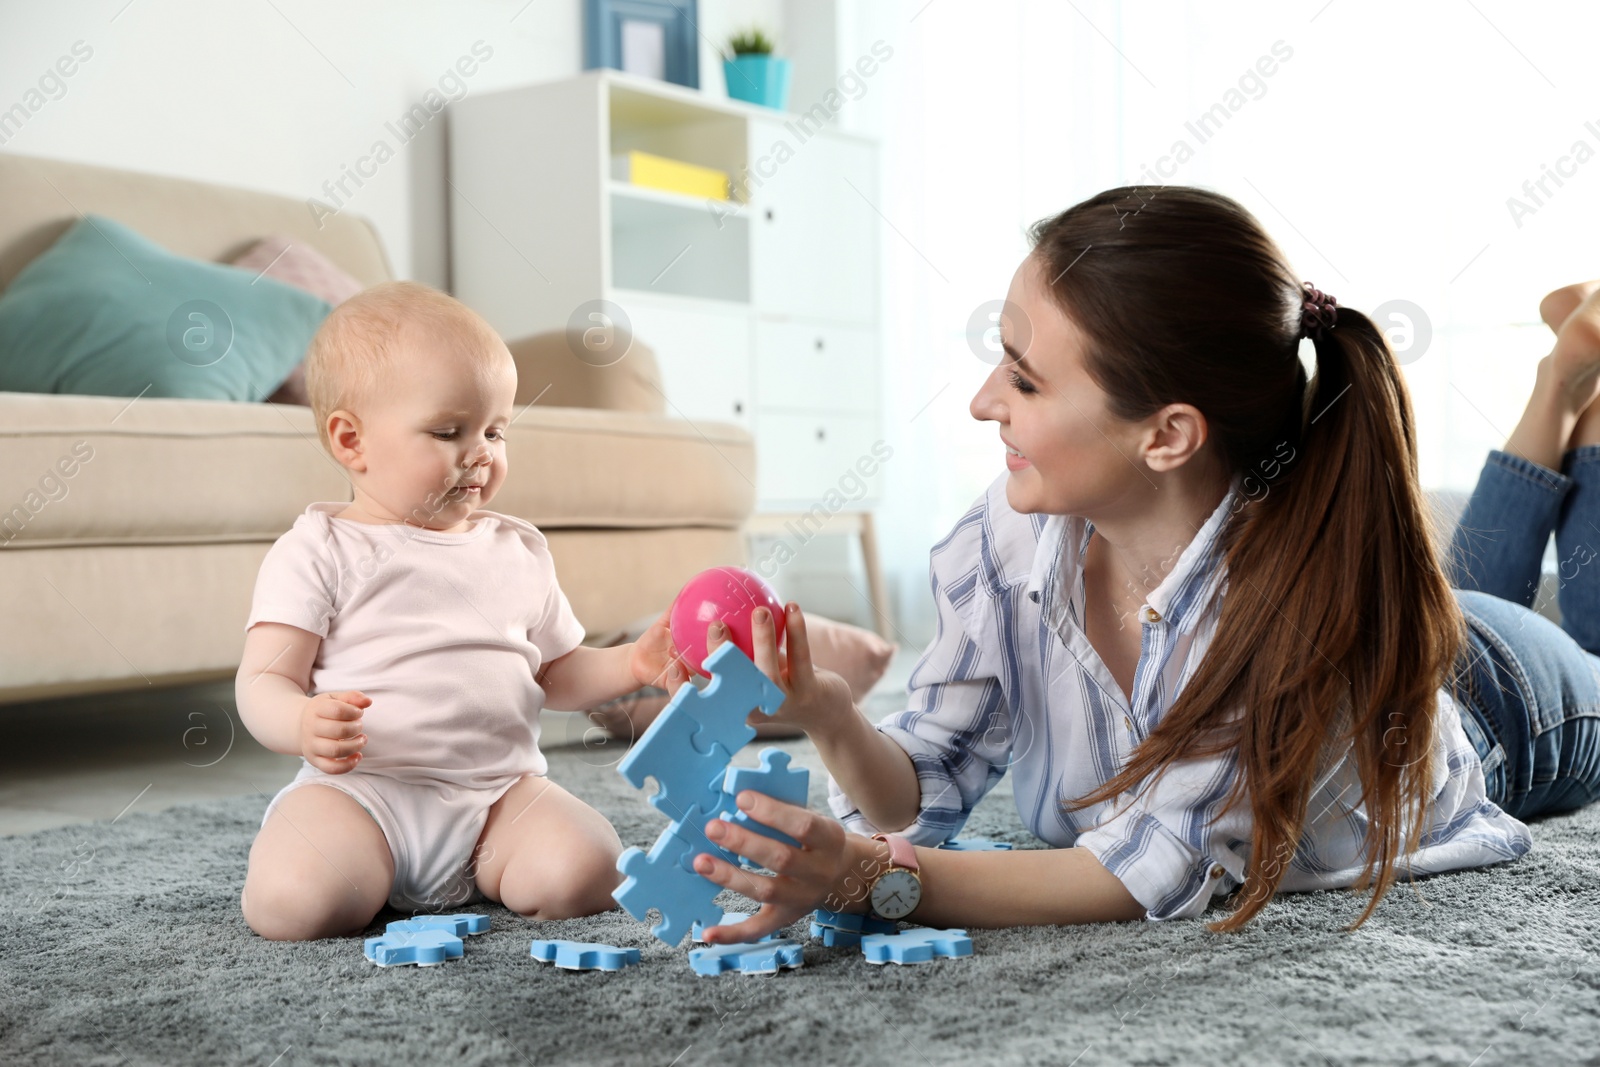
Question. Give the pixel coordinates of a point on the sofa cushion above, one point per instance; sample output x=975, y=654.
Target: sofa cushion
x=555, y=369
x=286, y=260
x=106, y=312
x=107, y=470
x=291, y=262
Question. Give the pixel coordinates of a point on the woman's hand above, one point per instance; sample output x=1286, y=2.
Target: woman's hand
x=653, y=656
x=814, y=698
x=803, y=878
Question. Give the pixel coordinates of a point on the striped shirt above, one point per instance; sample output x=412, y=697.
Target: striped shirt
x=1011, y=683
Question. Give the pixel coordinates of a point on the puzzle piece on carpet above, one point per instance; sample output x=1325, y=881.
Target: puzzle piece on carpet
x=697, y=933
x=764, y=957
x=978, y=844
x=661, y=879
x=422, y=947
x=459, y=925
x=835, y=938
x=844, y=930
x=583, y=955
x=919, y=945
x=851, y=923
x=776, y=779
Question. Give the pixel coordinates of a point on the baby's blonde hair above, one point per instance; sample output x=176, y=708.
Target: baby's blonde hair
x=356, y=343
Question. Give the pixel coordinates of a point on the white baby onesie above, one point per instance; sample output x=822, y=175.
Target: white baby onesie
x=445, y=633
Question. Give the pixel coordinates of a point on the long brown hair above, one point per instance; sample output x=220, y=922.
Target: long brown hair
x=1338, y=624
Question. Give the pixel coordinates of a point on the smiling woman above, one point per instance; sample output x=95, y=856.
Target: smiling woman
x=1209, y=686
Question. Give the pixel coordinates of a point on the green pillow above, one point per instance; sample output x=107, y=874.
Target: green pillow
x=106, y=312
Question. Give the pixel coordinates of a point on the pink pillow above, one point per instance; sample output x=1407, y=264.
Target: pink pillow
x=294, y=263
x=298, y=264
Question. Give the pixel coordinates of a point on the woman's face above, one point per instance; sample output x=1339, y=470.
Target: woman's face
x=1076, y=458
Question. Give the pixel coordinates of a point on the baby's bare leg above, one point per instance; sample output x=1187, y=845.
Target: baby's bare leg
x=545, y=854
x=320, y=867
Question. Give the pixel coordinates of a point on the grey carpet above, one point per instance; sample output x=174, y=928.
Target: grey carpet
x=123, y=944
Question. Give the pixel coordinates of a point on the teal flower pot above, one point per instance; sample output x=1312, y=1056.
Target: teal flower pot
x=758, y=79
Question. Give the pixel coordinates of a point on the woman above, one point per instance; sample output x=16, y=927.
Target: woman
x=1201, y=618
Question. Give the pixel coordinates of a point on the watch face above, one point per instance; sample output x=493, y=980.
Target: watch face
x=896, y=893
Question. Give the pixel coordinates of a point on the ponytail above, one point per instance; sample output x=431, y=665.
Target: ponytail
x=1338, y=625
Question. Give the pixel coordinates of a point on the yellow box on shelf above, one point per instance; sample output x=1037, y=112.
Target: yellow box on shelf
x=671, y=175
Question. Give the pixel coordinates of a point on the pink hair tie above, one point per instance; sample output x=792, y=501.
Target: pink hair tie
x=1318, y=311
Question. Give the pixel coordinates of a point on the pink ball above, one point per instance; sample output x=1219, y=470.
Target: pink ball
x=728, y=594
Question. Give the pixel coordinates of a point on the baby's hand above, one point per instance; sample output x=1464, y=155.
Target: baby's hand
x=330, y=730
x=653, y=655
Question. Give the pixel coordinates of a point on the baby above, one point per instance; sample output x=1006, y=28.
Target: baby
x=429, y=633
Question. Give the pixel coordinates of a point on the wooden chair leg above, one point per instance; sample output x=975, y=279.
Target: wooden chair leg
x=881, y=622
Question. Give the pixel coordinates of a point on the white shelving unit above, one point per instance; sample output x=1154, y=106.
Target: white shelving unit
x=762, y=310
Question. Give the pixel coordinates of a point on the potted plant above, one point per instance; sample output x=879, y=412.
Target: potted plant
x=753, y=73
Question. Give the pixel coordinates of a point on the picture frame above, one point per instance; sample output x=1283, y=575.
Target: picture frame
x=652, y=38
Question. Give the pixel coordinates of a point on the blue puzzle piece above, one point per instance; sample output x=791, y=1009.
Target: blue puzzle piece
x=737, y=688
x=920, y=945
x=421, y=947
x=774, y=778
x=686, y=750
x=697, y=934
x=459, y=925
x=686, y=776
x=766, y=957
x=853, y=924
x=583, y=955
x=660, y=880
x=688, y=747
x=692, y=828
x=844, y=930
x=978, y=844
x=835, y=938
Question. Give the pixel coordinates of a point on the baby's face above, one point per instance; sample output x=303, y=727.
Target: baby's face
x=434, y=441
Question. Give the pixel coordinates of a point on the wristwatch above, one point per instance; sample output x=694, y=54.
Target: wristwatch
x=897, y=890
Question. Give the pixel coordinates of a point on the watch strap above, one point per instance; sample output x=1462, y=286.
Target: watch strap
x=902, y=853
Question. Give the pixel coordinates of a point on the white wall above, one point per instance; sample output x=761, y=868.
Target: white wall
x=1382, y=157
x=284, y=95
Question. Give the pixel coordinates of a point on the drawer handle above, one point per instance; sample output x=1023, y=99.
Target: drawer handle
x=769, y=214
x=821, y=433
x=738, y=407
x=819, y=344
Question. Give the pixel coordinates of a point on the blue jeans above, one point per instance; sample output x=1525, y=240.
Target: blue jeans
x=1530, y=690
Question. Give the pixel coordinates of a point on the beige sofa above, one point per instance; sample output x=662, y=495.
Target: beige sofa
x=131, y=531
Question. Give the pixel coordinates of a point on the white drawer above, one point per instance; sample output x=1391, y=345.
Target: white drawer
x=801, y=365
x=813, y=228
x=806, y=459
x=704, y=354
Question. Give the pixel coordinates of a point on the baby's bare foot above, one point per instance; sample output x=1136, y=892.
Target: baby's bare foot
x=1559, y=304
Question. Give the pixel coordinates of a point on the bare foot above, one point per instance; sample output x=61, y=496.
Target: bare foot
x=1575, y=360
x=1559, y=304
x=1563, y=412
x=1577, y=353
